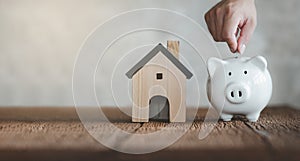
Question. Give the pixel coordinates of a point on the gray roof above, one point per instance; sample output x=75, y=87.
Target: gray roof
x=151, y=54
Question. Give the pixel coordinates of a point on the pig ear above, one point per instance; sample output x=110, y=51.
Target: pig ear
x=212, y=65
x=260, y=62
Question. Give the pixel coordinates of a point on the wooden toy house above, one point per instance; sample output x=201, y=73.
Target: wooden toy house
x=159, y=73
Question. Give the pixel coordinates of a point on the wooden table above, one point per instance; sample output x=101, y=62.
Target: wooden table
x=58, y=134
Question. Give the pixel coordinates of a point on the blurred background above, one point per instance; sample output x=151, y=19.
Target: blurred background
x=40, y=39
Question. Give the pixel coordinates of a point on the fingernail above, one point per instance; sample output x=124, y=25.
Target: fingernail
x=242, y=49
x=231, y=49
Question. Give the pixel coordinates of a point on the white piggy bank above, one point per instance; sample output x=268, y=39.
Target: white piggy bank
x=239, y=86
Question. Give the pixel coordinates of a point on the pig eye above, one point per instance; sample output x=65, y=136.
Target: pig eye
x=245, y=72
x=229, y=73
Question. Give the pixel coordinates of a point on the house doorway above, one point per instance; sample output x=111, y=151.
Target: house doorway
x=159, y=108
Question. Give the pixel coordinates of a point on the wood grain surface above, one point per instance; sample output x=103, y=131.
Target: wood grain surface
x=58, y=134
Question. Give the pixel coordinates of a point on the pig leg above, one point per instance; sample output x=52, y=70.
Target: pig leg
x=226, y=117
x=253, y=117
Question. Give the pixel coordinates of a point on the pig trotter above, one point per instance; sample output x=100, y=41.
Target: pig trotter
x=226, y=117
x=253, y=117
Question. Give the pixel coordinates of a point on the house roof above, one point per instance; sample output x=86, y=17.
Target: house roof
x=151, y=54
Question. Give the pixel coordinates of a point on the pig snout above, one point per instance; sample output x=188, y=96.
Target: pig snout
x=237, y=93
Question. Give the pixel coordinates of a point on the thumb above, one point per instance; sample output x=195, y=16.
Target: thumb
x=232, y=43
x=246, y=33
x=229, y=32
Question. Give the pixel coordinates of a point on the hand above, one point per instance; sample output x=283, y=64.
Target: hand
x=230, y=18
